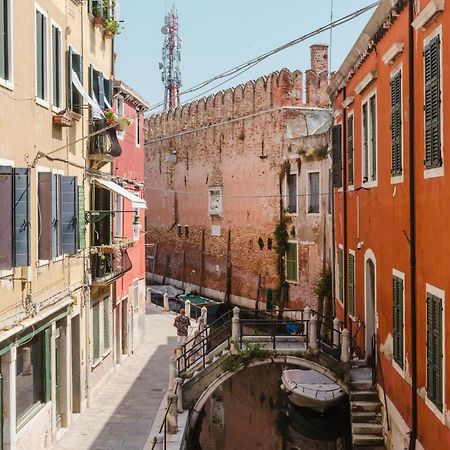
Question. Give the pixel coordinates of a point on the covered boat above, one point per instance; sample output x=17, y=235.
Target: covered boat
x=310, y=389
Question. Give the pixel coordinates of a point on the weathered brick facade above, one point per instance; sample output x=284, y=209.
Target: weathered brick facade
x=240, y=141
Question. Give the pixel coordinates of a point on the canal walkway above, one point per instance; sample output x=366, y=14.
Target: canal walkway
x=122, y=413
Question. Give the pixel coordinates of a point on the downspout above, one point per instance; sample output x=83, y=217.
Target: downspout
x=412, y=238
x=344, y=205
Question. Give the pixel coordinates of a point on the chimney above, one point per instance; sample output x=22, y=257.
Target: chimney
x=317, y=76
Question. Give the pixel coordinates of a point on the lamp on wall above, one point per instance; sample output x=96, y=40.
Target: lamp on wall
x=136, y=226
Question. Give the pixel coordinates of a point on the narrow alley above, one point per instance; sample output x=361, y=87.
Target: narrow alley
x=124, y=408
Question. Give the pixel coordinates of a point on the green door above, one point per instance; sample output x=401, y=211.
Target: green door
x=58, y=381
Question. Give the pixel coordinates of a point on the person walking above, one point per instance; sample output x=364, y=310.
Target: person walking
x=182, y=323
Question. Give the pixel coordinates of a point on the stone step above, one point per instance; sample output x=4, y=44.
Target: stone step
x=364, y=395
x=367, y=428
x=365, y=406
x=361, y=385
x=367, y=439
x=366, y=417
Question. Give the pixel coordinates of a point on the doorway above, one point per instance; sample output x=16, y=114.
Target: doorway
x=370, y=308
x=125, y=326
x=76, y=365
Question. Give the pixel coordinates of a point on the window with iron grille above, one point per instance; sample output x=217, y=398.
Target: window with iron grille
x=291, y=262
x=432, y=103
x=396, y=124
x=434, y=350
x=398, y=326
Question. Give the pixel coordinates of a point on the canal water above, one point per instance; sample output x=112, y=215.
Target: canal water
x=249, y=412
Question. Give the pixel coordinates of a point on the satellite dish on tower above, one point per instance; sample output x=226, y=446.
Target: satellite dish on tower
x=164, y=30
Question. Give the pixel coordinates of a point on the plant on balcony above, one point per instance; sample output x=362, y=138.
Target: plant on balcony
x=97, y=12
x=124, y=243
x=121, y=122
x=111, y=26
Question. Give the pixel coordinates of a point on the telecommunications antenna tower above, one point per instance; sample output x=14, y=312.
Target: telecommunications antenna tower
x=171, y=57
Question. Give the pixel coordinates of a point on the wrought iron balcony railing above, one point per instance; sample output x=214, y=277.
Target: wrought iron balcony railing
x=109, y=264
x=105, y=144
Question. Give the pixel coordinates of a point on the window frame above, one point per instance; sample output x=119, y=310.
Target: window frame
x=339, y=288
x=434, y=172
x=400, y=369
x=370, y=150
x=137, y=137
x=60, y=107
x=292, y=172
x=118, y=203
x=120, y=108
x=308, y=193
x=45, y=82
x=351, y=186
x=398, y=178
x=292, y=281
x=8, y=82
x=351, y=253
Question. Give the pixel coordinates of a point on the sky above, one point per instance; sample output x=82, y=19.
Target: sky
x=220, y=34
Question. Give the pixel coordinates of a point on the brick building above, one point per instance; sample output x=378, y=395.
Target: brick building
x=391, y=225
x=224, y=171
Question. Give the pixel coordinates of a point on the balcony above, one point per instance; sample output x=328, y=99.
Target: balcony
x=104, y=145
x=108, y=263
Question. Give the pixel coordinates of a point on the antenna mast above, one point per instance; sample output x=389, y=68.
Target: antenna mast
x=171, y=57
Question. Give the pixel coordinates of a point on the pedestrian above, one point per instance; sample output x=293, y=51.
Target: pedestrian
x=182, y=323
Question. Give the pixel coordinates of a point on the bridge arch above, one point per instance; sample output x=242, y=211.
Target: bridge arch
x=291, y=360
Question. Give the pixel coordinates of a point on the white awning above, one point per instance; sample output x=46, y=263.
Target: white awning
x=136, y=201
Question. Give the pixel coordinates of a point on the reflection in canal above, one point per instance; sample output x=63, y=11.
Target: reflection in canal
x=249, y=411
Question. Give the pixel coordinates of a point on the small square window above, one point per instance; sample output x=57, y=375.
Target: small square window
x=215, y=198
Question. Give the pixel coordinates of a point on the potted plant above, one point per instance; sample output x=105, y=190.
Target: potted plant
x=123, y=123
x=110, y=117
x=97, y=12
x=111, y=27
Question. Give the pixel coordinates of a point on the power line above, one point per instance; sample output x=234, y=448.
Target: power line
x=237, y=70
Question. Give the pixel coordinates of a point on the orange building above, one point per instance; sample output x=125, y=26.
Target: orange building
x=392, y=227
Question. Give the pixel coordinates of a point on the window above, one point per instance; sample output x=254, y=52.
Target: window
x=101, y=328
x=351, y=284
x=432, y=107
x=291, y=262
x=102, y=8
x=120, y=112
x=396, y=124
x=119, y=216
x=96, y=332
x=292, y=193
x=5, y=40
x=336, y=145
x=138, y=129
x=434, y=350
x=341, y=274
x=350, y=170
x=56, y=67
x=397, y=316
x=369, y=140
x=41, y=56
x=313, y=193
x=74, y=98
x=136, y=295
x=81, y=219
x=215, y=197
x=58, y=215
x=15, y=217
x=106, y=323
x=32, y=374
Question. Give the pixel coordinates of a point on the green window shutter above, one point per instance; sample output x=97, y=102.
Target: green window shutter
x=291, y=262
x=40, y=32
x=6, y=229
x=350, y=150
x=398, y=326
x=336, y=144
x=434, y=350
x=365, y=139
x=47, y=364
x=81, y=218
x=341, y=274
x=21, y=208
x=4, y=39
x=106, y=323
x=351, y=283
x=69, y=214
x=396, y=124
x=77, y=99
x=432, y=104
x=56, y=66
x=373, y=136
x=56, y=216
x=96, y=331
x=70, y=90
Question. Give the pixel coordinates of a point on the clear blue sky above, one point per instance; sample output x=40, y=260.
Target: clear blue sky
x=219, y=34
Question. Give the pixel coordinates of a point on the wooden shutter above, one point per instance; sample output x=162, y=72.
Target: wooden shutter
x=350, y=150
x=432, y=104
x=56, y=65
x=397, y=302
x=106, y=323
x=365, y=139
x=101, y=90
x=81, y=218
x=351, y=284
x=4, y=40
x=69, y=214
x=70, y=89
x=21, y=212
x=47, y=366
x=40, y=35
x=291, y=262
x=77, y=66
x=44, y=215
x=96, y=331
x=336, y=144
x=108, y=90
x=373, y=136
x=396, y=124
x=56, y=216
x=6, y=217
x=434, y=350
x=341, y=274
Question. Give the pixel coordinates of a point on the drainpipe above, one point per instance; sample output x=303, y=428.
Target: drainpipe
x=412, y=238
x=344, y=205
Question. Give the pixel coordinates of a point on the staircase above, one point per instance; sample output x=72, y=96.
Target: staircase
x=365, y=408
